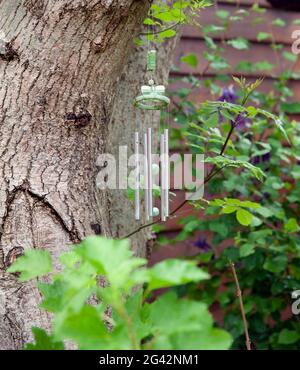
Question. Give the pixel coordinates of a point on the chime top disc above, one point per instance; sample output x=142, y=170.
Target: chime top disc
x=153, y=97
x=152, y=101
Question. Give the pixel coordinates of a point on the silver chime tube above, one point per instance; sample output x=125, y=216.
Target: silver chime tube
x=150, y=179
x=137, y=176
x=146, y=182
x=162, y=178
x=167, y=171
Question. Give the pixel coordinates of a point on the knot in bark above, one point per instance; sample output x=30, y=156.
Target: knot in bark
x=7, y=53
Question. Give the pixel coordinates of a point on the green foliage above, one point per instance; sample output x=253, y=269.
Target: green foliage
x=43, y=341
x=229, y=206
x=164, y=18
x=257, y=205
x=239, y=43
x=98, y=300
x=190, y=59
x=33, y=264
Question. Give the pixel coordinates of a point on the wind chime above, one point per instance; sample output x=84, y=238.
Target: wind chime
x=152, y=98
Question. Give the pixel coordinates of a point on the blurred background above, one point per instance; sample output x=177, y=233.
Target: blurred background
x=252, y=39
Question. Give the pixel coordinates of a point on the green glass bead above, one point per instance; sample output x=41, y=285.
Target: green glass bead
x=151, y=60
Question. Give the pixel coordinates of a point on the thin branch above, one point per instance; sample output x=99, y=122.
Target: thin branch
x=240, y=297
x=163, y=30
x=211, y=174
x=173, y=213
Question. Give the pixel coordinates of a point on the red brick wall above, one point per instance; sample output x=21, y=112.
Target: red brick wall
x=192, y=42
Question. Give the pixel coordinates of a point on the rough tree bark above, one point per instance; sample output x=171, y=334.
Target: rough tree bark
x=60, y=68
x=59, y=64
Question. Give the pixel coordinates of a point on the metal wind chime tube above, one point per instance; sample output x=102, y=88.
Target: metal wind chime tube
x=137, y=177
x=162, y=178
x=146, y=183
x=167, y=171
x=150, y=178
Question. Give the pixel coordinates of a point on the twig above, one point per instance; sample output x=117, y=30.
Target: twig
x=173, y=213
x=211, y=174
x=240, y=297
x=160, y=31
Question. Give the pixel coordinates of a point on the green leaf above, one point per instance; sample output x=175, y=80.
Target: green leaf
x=239, y=43
x=34, y=263
x=288, y=336
x=165, y=16
x=247, y=250
x=86, y=328
x=43, y=341
x=291, y=226
x=222, y=161
x=244, y=217
x=276, y=120
x=172, y=272
x=291, y=108
x=261, y=36
x=228, y=209
x=70, y=291
x=290, y=56
x=263, y=66
x=112, y=258
x=167, y=34
x=213, y=339
x=279, y=22
x=276, y=264
x=184, y=324
x=223, y=14
x=149, y=21
x=169, y=315
x=265, y=212
x=190, y=59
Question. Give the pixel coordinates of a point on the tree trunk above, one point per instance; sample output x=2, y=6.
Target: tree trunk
x=59, y=65
x=63, y=101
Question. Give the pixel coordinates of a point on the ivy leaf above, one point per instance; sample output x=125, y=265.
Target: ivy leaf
x=190, y=59
x=172, y=272
x=34, y=263
x=43, y=341
x=244, y=217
